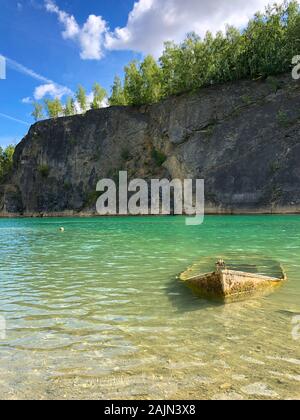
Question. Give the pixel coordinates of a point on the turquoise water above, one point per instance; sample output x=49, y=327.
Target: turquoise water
x=97, y=311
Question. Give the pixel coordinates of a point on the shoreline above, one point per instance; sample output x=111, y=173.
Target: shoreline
x=88, y=215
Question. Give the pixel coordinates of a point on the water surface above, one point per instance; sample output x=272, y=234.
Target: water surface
x=97, y=312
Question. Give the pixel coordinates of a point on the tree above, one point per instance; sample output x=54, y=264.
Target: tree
x=150, y=74
x=293, y=28
x=133, y=84
x=264, y=48
x=117, y=93
x=170, y=62
x=142, y=82
x=37, y=112
x=82, y=98
x=54, y=108
x=99, y=96
x=70, y=108
x=6, y=160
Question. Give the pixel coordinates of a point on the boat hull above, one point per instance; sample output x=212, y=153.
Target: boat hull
x=229, y=285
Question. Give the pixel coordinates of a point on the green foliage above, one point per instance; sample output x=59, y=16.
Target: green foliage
x=82, y=98
x=158, y=157
x=6, y=161
x=274, y=167
x=274, y=84
x=283, y=119
x=54, y=108
x=37, y=112
x=91, y=198
x=69, y=108
x=133, y=84
x=265, y=48
x=117, y=93
x=276, y=194
x=67, y=186
x=150, y=74
x=209, y=131
x=44, y=170
x=142, y=82
x=99, y=96
x=247, y=99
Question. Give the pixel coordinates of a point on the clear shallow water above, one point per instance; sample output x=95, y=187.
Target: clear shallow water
x=97, y=312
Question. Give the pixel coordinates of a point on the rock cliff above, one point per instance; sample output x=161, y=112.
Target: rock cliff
x=242, y=138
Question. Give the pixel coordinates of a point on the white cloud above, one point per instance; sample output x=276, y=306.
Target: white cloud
x=52, y=90
x=27, y=100
x=90, y=36
x=71, y=27
x=152, y=22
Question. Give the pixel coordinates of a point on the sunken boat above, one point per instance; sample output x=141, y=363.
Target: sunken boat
x=232, y=281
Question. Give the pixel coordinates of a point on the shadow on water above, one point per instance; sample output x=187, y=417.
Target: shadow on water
x=184, y=300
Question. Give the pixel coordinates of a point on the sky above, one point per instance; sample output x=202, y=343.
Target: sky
x=51, y=46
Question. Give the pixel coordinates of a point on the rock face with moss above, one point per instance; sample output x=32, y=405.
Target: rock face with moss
x=242, y=138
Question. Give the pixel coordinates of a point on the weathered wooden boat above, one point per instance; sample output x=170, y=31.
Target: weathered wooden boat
x=231, y=282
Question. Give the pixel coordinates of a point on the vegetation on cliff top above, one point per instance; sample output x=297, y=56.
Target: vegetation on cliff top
x=264, y=48
x=79, y=104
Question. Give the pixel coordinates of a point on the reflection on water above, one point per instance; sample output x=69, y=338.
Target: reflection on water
x=97, y=312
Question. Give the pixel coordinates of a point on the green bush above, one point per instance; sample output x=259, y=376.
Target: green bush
x=44, y=170
x=283, y=119
x=158, y=157
x=91, y=198
x=263, y=49
x=6, y=161
x=247, y=99
x=274, y=84
x=274, y=167
x=67, y=186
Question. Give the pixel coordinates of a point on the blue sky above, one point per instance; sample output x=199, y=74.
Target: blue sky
x=52, y=46
x=32, y=37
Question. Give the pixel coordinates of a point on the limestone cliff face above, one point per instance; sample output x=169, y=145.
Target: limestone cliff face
x=242, y=138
